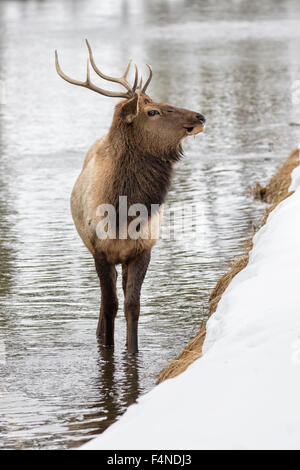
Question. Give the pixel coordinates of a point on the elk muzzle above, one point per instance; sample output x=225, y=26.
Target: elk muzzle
x=195, y=125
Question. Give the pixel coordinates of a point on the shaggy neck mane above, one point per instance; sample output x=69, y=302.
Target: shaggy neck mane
x=142, y=173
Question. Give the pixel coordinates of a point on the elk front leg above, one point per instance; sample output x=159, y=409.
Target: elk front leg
x=124, y=277
x=136, y=272
x=124, y=286
x=109, y=301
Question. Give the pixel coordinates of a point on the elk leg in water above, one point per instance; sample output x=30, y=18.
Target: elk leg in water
x=124, y=284
x=137, y=269
x=109, y=301
x=124, y=277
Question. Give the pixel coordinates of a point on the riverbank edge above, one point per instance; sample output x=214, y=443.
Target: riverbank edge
x=276, y=190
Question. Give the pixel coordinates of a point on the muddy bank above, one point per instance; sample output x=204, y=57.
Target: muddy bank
x=273, y=193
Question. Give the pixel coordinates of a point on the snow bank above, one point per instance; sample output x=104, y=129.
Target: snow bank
x=244, y=393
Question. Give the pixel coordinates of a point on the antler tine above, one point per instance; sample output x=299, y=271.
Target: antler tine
x=127, y=69
x=121, y=80
x=88, y=84
x=141, y=82
x=88, y=77
x=135, y=78
x=63, y=75
x=149, y=78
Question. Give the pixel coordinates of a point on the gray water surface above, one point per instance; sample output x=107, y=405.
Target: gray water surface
x=236, y=62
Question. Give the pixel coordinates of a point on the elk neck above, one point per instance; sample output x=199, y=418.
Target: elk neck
x=142, y=171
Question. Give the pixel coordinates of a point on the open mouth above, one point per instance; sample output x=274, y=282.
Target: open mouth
x=194, y=130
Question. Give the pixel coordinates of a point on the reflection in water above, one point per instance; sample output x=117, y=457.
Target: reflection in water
x=235, y=64
x=114, y=395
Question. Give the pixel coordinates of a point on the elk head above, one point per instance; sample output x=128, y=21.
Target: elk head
x=140, y=120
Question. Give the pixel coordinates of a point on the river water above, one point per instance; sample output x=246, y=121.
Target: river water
x=237, y=62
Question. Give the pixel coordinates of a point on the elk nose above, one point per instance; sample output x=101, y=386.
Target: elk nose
x=201, y=118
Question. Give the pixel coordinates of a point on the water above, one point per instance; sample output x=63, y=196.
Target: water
x=235, y=62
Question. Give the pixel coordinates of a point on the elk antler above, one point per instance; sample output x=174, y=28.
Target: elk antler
x=88, y=84
x=122, y=80
x=147, y=82
x=149, y=78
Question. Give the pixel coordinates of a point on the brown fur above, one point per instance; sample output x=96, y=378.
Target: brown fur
x=135, y=159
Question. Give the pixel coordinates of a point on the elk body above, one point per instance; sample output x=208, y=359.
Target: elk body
x=134, y=159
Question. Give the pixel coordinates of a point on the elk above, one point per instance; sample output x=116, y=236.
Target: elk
x=134, y=159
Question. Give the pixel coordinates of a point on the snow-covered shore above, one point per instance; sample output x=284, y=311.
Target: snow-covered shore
x=243, y=393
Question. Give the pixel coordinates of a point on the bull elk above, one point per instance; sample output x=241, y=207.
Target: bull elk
x=134, y=159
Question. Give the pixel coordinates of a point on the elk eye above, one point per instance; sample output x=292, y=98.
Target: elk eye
x=153, y=112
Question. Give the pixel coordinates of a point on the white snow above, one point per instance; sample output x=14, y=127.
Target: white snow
x=244, y=393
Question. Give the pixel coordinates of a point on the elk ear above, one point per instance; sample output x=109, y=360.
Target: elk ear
x=130, y=109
